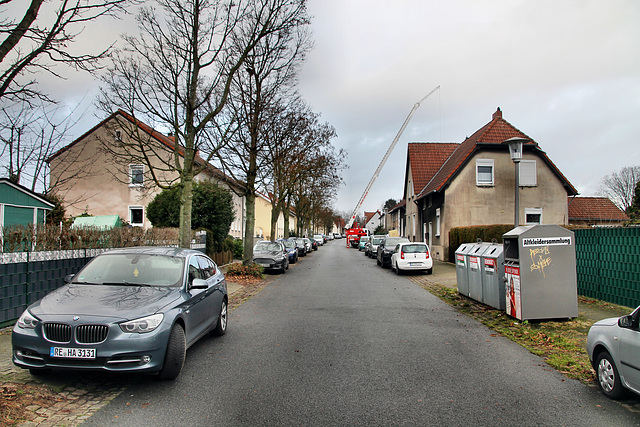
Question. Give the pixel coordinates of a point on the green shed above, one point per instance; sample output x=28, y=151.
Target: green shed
x=21, y=206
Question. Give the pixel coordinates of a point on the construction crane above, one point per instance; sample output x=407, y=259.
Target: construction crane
x=386, y=156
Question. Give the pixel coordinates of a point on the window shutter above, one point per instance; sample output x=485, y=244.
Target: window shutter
x=528, y=173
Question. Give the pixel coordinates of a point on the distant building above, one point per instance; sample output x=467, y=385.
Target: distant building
x=595, y=211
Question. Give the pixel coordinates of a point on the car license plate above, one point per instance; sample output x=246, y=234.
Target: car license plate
x=73, y=353
x=414, y=264
x=265, y=265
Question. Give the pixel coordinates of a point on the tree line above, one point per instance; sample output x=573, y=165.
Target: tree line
x=220, y=76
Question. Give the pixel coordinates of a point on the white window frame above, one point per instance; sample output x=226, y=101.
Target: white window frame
x=528, y=173
x=532, y=211
x=133, y=167
x=485, y=163
x=133, y=224
x=438, y=222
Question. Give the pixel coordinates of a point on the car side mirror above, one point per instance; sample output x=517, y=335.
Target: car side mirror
x=199, y=284
x=68, y=278
x=625, y=322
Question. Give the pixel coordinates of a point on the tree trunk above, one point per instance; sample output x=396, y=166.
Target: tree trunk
x=249, y=229
x=275, y=213
x=186, y=203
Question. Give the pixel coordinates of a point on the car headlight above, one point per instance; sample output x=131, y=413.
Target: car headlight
x=142, y=325
x=27, y=320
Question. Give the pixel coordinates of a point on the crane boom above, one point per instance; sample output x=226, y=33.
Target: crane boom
x=386, y=156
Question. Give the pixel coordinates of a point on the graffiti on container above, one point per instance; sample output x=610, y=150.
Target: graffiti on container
x=540, y=258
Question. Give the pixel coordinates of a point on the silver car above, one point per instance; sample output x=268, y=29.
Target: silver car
x=613, y=346
x=133, y=309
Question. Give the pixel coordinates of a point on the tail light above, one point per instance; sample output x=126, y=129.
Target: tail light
x=427, y=255
x=401, y=255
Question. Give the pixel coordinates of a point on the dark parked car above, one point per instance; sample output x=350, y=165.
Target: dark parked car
x=302, y=246
x=613, y=346
x=291, y=248
x=386, y=248
x=134, y=309
x=271, y=255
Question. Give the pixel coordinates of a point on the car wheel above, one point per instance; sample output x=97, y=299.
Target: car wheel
x=608, y=377
x=398, y=271
x=221, y=326
x=176, y=352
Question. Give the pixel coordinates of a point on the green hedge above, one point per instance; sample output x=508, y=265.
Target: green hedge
x=484, y=233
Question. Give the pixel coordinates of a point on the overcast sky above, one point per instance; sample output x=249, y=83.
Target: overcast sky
x=565, y=72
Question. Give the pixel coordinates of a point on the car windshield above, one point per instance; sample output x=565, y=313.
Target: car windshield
x=133, y=270
x=414, y=249
x=364, y=239
x=267, y=247
x=289, y=244
x=376, y=241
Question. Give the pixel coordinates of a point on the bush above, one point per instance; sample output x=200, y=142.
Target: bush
x=484, y=233
x=238, y=249
x=240, y=270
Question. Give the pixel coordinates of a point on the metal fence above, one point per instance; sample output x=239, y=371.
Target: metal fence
x=26, y=277
x=608, y=264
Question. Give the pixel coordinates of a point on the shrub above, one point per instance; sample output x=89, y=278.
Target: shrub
x=240, y=270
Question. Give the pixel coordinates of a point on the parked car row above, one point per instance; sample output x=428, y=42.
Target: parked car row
x=398, y=253
x=279, y=254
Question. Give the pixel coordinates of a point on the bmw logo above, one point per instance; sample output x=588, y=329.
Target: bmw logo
x=76, y=318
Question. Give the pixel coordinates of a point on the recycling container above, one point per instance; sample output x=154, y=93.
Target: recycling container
x=492, y=263
x=462, y=275
x=540, y=273
x=475, y=271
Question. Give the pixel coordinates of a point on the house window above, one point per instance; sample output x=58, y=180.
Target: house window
x=532, y=216
x=136, y=216
x=484, y=172
x=438, y=222
x=136, y=175
x=528, y=175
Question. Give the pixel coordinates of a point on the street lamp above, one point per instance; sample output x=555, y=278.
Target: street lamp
x=515, y=150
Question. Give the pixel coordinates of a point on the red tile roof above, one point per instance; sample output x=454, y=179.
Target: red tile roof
x=594, y=209
x=426, y=159
x=493, y=134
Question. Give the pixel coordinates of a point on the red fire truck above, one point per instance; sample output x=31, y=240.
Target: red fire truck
x=353, y=236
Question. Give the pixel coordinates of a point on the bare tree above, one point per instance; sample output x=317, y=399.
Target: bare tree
x=41, y=39
x=29, y=136
x=177, y=74
x=269, y=79
x=620, y=186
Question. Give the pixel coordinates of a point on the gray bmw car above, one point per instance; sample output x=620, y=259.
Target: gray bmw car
x=133, y=309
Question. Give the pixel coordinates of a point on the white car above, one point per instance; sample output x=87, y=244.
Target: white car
x=319, y=238
x=613, y=346
x=412, y=256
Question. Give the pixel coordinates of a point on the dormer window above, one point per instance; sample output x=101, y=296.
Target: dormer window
x=118, y=135
x=136, y=175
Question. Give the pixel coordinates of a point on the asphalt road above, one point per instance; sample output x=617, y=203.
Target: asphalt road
x=338, y=340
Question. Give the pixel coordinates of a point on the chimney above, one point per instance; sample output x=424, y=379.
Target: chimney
x=497, y=114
